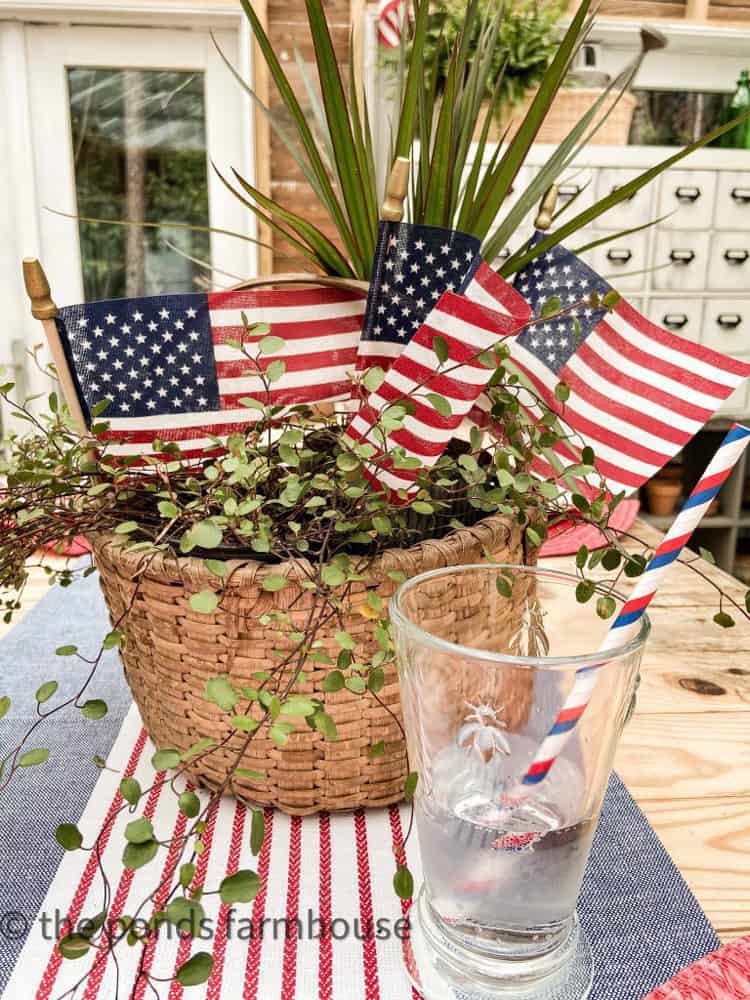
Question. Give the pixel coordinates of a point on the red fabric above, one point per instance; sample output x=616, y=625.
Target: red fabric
x=78, y=547
x=722, y=975
x=567, y=538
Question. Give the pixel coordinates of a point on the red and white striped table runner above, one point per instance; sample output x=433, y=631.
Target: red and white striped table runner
x=336, y=868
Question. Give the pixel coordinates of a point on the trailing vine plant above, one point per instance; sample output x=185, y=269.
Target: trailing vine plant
x=292, y=486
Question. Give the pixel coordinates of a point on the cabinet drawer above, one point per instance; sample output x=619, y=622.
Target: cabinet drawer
x=617, y=259
x=729, y=262
x=578, y=193
x=737, y=404
x=638, y=209
x=690, y=195
x=733, y=199
x=726, y=326
x=685, y=255
x=681, y=316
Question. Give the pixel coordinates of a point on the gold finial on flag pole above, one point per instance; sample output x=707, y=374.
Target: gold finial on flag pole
x=398, y=188
x=37, y=288
x=44, y=309
x=543, y=221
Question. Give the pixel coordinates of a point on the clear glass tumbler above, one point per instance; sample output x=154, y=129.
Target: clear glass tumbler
x=512, y=719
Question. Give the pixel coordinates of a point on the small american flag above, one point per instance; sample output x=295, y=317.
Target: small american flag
x=170, y=373
x=638, y=393
x=466, y=330
x=413, y=266
x=392, y=15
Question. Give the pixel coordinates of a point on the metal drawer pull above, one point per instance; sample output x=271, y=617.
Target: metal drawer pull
x=741, y=194
x=616, y=187
x=683, y=257
x=675, y=321
x=690, y=194
x=569, y=190
x=729, y=321
x=619, y=256
x=736, y=256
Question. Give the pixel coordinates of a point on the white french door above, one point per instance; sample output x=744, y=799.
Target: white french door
x=118, y=120
x=127, y=122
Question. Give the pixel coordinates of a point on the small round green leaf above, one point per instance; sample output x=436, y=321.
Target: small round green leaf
x=204, y=602
x=196, y=970
x=138, y=831
x=403, y=883
x=94, y=709
x=163, y=760
x=242, y=887
x=4, y=705
x=66, y=650
x=410, y=785
x=45, y=692
x=126, y=527
x=130, y=790
x=189, y=804
x=219, y=691
x=257, y=831
x=270, y=345
x=137, y=855
x=606, y=607
x=332, y=575
x=68, y=836
x=32, y=757
x=185, y=914
x=274, y=583
x=334, y=681
x=724, y=620
x=73, y=946
x=205, y=535
x=187, y=874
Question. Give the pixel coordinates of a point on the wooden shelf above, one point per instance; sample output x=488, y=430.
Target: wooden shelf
x=720, y=533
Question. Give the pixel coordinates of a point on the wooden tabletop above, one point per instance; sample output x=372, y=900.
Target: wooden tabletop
x=685, y=755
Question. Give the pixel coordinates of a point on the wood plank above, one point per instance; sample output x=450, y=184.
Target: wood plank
x=717, y=13
x=709, y=840
x=643, y=8
x=697, y=9
x=262, y=129
x=709, y=684
x=706, y=756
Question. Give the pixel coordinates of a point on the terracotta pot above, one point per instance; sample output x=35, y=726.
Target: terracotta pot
x=662, y=496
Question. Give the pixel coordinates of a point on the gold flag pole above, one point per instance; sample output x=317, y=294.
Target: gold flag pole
x=397, y=190
x=543, y=221
x=45, y=310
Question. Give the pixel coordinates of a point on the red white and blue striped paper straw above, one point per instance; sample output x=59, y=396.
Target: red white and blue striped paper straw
x=627, y=622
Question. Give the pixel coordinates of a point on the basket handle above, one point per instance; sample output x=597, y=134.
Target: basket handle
x=303, y=279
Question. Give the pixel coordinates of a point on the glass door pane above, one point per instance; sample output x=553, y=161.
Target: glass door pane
x=139, y=153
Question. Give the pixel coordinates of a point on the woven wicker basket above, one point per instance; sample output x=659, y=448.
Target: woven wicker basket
x=569, y=106
x=172, y=651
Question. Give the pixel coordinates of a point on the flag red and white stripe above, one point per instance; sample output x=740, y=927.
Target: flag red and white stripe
x=467, y=329
x=392, y=17
x=638, y=392
x=320, y=326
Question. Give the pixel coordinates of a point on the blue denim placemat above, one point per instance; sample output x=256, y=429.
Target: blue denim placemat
x=643, y=921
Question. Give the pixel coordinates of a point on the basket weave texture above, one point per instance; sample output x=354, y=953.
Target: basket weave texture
x=568, y=108
x=172, y=651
